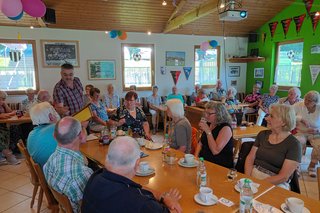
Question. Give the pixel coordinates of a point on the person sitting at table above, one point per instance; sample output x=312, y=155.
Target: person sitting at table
x=129, y=115
x=43, y=96
x=175, y=95
x=231, y=100
x=216, y=144
x=194, y=95
x=154, y=102
x=86, y=96
x=29, y=101
x=265, y=101
x=111, y=100
x=218, y=92
x=202, y=97
x=276, y=153
x=133, y=88
x=294, y=94
x=111, y=188
x=253, y=100
x=181, y=133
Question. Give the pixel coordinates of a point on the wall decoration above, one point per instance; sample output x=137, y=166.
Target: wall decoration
x=163, y=70
x=175, y=76
x=233, y=83
x=308, y=5
x=122, y=35
x=273, y=27
x=187, y=71
x=234, y=71
x=101, y=69
x=285, y=25
x=56, y=53
x=258, y=72
x=314, y=20
x=174, y=58
x=314, y=71
x=298, y=20
x=315, y=49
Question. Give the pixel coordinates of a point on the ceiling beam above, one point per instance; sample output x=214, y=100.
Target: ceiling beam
x=192, y=15
x=180, y=5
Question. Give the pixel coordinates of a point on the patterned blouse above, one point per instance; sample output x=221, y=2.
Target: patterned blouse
x=100, y=110
x=252, y=98
x=267, y=100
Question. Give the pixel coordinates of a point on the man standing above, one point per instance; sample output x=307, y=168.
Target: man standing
x=111, y=189
x=66, y=171
x=41, y=143
x=68, y=92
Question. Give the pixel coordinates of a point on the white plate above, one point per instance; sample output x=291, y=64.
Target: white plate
x=150, y=171
x=183, y=164
x=121, y=133
x=286, y=210
x=213, y=200
x=261, y=208
x=152, y=145
x=254, y=189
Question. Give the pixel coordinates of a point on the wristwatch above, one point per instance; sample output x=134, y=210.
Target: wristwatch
x=162, y=196
x=208, y=133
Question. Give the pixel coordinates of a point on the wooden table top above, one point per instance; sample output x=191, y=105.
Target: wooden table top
x=167, y=176
x=247, y=132
x=14, y=119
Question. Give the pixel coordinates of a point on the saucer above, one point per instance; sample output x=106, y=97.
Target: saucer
x=152, y=145
x=213, y=200
x=286, y=210
x=254, y=189
x=147, y=173
x=183, y=164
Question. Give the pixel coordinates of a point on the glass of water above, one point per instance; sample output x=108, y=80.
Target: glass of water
x=232, y=174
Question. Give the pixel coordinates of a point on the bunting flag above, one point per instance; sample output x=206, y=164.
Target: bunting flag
x=15, y=55
x=314, y=20
x=308, y=5
x=187, y=71
x=298, y=20
x=273, y=27
x=314, y=71
x=175, y=76
x=285, y=25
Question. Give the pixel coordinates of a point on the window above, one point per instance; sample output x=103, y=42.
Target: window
x=206, y=66
x=18, y=67
x=289, y=64
x=138, y=66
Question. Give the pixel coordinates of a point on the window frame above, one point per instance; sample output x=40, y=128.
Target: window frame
x=218, y=65
x=123, y=45
x=278, y=44
x=35, y=61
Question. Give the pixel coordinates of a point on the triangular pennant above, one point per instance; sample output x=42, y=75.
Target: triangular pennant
x=273, y=27
x=314, y=71
x=175, y=76
x=308, y=5
x=298, y=20
x=187, y=71
x=285, y=25
x=315, y=17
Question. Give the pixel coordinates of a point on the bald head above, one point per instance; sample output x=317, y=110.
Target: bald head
x=43, y=95
x=67, y=130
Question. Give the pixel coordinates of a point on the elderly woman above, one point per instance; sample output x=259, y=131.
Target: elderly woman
x=194, y=95
x=111, y=100
x=154, y=101
x=294, y=94
x=216, y=143
x=218, y=92
x=202, y=97
x=276, y=153
x=29, y=101
x=181, y=134
x=86, y=96
x=252, y=99
x=132, y=116
x=308, y=126
x=265, y=101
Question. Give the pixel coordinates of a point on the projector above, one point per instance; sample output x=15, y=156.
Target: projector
x=233, y=15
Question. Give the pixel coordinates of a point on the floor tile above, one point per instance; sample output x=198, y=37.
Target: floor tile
x=3, y=191
x=24, y=207
x=18, y=169
x=26, y=189
x=15, y=182
x=10, y=199
x=5, y=175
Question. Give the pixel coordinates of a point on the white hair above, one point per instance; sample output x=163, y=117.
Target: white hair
x=40, y=112
x=176, y=107
x=29, y=91
x=295, y=90
x=274, y=87
x=233, y=91
x=313, y=96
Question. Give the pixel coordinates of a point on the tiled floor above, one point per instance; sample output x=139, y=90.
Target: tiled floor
x=16, y=189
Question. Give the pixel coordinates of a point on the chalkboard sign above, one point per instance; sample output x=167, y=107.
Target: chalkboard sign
x=56, y=53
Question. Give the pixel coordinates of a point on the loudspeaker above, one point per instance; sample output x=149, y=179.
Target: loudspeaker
x=253, y=37
x=50, y=16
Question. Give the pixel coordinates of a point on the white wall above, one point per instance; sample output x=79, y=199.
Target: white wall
x=98, y=45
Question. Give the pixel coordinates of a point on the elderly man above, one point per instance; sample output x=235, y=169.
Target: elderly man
x=175, y=95
x=66, y=171
x=43, y=95
x=27, y=103
x=67, y=93
x=111, y=100
x=218, y=92
x=294, y=94
x=41, y=143
x=112, y=189
x=154, y=102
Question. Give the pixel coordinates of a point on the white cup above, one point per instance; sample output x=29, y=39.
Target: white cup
x=189, y=158
x=295, y=205
x=141, y=141
x=205, y=194
x=144, y=166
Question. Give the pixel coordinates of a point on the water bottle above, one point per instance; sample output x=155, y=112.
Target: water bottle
x=166, y=146
x=201, y=174
x=234, y=121
x=246, y=197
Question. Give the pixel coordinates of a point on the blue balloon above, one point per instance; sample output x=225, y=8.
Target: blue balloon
x=113, y=33
x=18, y=17
x=213, y=43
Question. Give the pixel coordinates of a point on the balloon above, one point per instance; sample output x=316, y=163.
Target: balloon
x=119, y=33
x=204, y=46
x=11, y=8
x=35, y=8
x=123, y=36
x=213, y=43
x=113, y=33
x=17, y=17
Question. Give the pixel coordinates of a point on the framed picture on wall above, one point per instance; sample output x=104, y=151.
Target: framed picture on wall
x=102, y=69
x=234, y=71
x=174, y=58
x=55, y=53
x=258, y=72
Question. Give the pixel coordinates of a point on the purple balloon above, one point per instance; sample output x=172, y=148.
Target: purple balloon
x=204, y=46
x=17, y=17
x=35, y=8
x=11, y=8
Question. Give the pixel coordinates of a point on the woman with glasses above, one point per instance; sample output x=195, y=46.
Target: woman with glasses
x=216, y=143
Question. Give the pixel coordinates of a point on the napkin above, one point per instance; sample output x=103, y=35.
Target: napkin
x=91, y=137
x=264, y=208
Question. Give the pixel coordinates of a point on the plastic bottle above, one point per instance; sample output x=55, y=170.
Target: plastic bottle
x=166, y=146
x=201, y=174
x=246, y=197
x=234, y=121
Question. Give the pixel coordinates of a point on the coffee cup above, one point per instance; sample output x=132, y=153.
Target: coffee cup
x=144, y=166
x=295, y=205
x=171, y=157
x=205, y=194
x=189, y=158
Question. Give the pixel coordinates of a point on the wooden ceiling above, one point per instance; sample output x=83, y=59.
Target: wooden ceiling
x=150, y=15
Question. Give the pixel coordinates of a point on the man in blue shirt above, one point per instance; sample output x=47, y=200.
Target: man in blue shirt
x=175, y=95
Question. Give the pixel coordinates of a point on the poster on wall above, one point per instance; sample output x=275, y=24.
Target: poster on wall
x=314, y=71
x=258, y=72
x=315, y=49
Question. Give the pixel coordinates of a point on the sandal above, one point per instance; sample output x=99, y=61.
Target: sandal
x=312, y=172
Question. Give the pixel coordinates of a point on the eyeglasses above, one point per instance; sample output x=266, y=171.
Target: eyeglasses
x=210, y=113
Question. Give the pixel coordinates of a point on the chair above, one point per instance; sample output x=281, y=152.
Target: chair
x=34, y=178
x=63, y=201
x=236, y=148
x=318, y=177
x=195, y=137
x=14, y=106
x=52, y=203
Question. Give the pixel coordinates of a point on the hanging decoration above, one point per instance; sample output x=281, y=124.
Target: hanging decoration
x=314, y=71
x=122, y=35
x=18, y=17
x=308, y=5
x=175, y=76
x=187, y=71
x=19, y=36
x=14, y=9
x=285, y=25
x=15, y=55
x=298, y=20
x=290, y=54
x=11, y=8
x=314, y=20
x=264, y=37
x=273, y=27
x=136, y=56
x=204, y=46
x=34, y=8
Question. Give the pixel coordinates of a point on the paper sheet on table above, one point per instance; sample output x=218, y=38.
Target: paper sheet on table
x=264, y=208
x=91, y=137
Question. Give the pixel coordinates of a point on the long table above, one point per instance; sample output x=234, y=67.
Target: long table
x=15, y=120
x=167, y=176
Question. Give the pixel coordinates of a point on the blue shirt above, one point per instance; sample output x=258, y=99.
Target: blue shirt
x=111, y=102
x=154, y=100
x=100, y=110
x=177, y=96
x=41, y=143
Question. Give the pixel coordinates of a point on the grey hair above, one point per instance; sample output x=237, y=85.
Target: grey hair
x=222, y=114
x=40, y=112
x=3, y=94
x=73, y=130
x=275, y=87
x=134, y=87
x=29, y=90
x=313, y=96
x=123, y=152
x=233, y=91
x=41, y=93
x=110, y=85
x=286, y=113
x=176, y=107
x=295, y=90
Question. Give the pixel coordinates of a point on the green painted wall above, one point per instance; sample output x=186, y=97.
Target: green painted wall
x=267, y=49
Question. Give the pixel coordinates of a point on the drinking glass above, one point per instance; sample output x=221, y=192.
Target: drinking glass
x=232, y=174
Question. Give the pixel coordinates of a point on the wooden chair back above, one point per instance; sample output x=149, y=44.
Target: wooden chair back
x=195, y=137
x=34, y=178
x=236, y=148
x=318, y=177
x=63, y=201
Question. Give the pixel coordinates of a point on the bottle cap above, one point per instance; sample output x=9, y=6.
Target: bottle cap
x=201, y=159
